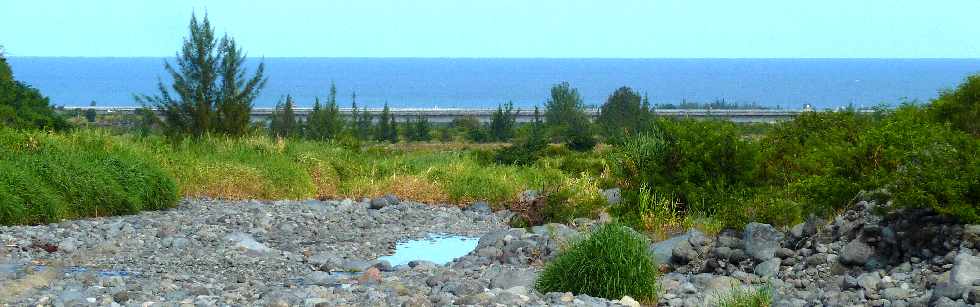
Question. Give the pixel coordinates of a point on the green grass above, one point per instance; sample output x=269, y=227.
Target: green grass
x=611, y=263
x=47, y=177
x=739, y=297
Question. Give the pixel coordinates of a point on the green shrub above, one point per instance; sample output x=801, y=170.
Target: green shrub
x=923, y=164
x=739, y=297
x=24, y=107
x=697, y=161
x=961, y=107
x=48, y=177
x=612, y=262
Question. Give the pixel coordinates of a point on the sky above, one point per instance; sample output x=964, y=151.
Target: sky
x=503, y=28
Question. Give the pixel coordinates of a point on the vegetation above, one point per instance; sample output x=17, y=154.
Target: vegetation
x=46, y=177
x=961, y=107
x=325, y=122
x=502, y=122
x=611, y=263
x=22, y=106
x=387, y=127
x=566, y=118
x=211, y=94
x=718, y=104
x=740, y=297
x=283, y=123
x=623, y=115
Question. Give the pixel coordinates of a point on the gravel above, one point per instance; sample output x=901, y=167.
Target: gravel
x=281, y=253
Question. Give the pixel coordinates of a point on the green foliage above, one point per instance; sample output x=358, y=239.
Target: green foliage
x=566, y=118
x=471, y=129
x=624, y=114
x=417, y=130
x=387, y=127
x=325, y=122
x=611, y=263
x=698, y=161
x=923, y=164
x=961, y=107
x=361, y=121
x=90, y=113
x=741, y=297
x=283, y=121
x=210, y=91
x=502, y=122
x=45, y=178
x=23, y=107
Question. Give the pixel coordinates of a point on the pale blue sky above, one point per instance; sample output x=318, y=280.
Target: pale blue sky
x=504, y=28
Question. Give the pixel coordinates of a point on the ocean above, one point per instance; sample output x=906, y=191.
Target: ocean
x=475, y=82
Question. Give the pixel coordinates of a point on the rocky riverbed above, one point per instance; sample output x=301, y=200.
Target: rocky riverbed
x=284, y=253
x=324, y=253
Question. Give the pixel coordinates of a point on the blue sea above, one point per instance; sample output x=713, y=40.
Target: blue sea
x=474, y=82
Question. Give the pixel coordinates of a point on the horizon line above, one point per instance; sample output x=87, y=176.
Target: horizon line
x=512, y=58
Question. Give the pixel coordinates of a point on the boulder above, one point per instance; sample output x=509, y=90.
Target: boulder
x=513, y=278
x=767, y=268
x=246, y=243
x=761, y=241
x=856, y=253
x=683, y=252
x=324, y=262
x=480, y=207
x=384, y=201
x=966, y=270
x=663, y=250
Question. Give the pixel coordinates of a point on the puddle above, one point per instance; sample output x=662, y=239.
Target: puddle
x=439, y=249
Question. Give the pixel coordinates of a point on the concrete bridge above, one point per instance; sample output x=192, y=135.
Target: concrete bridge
x=441, y=115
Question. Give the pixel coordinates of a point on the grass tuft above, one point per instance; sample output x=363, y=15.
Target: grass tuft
x=612, y=262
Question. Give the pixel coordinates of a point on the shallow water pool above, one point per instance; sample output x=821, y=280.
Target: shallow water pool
x=437, y=248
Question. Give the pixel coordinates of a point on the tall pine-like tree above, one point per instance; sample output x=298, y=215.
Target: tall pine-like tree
x=387, y=128
x=283, y=123
x=502, y=122
x=210, y=90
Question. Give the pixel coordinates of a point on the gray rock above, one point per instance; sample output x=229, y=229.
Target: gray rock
x=384, y=201
x=895, y=294
x=856, y=253
x=324, y=262
x=245, y=242
x=761, y=241
x=480, y=207
x=966, y=270
x=68, y=245
x=784, y=253
x=767, y=268
x=384, y=266
x=663, y=250
x=513, y=278
x=613, y=196
x=322, y=278
x=869, y=281
x=462, y=287
x=683, y=252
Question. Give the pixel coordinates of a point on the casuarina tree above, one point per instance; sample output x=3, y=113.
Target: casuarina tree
x=210, y=91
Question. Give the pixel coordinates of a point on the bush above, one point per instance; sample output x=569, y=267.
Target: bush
x=923, y=164
x=960, y=107
x=759, y=297
x=23, y=107
x=697, y=161
x=611, y=263
x=45, y=178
